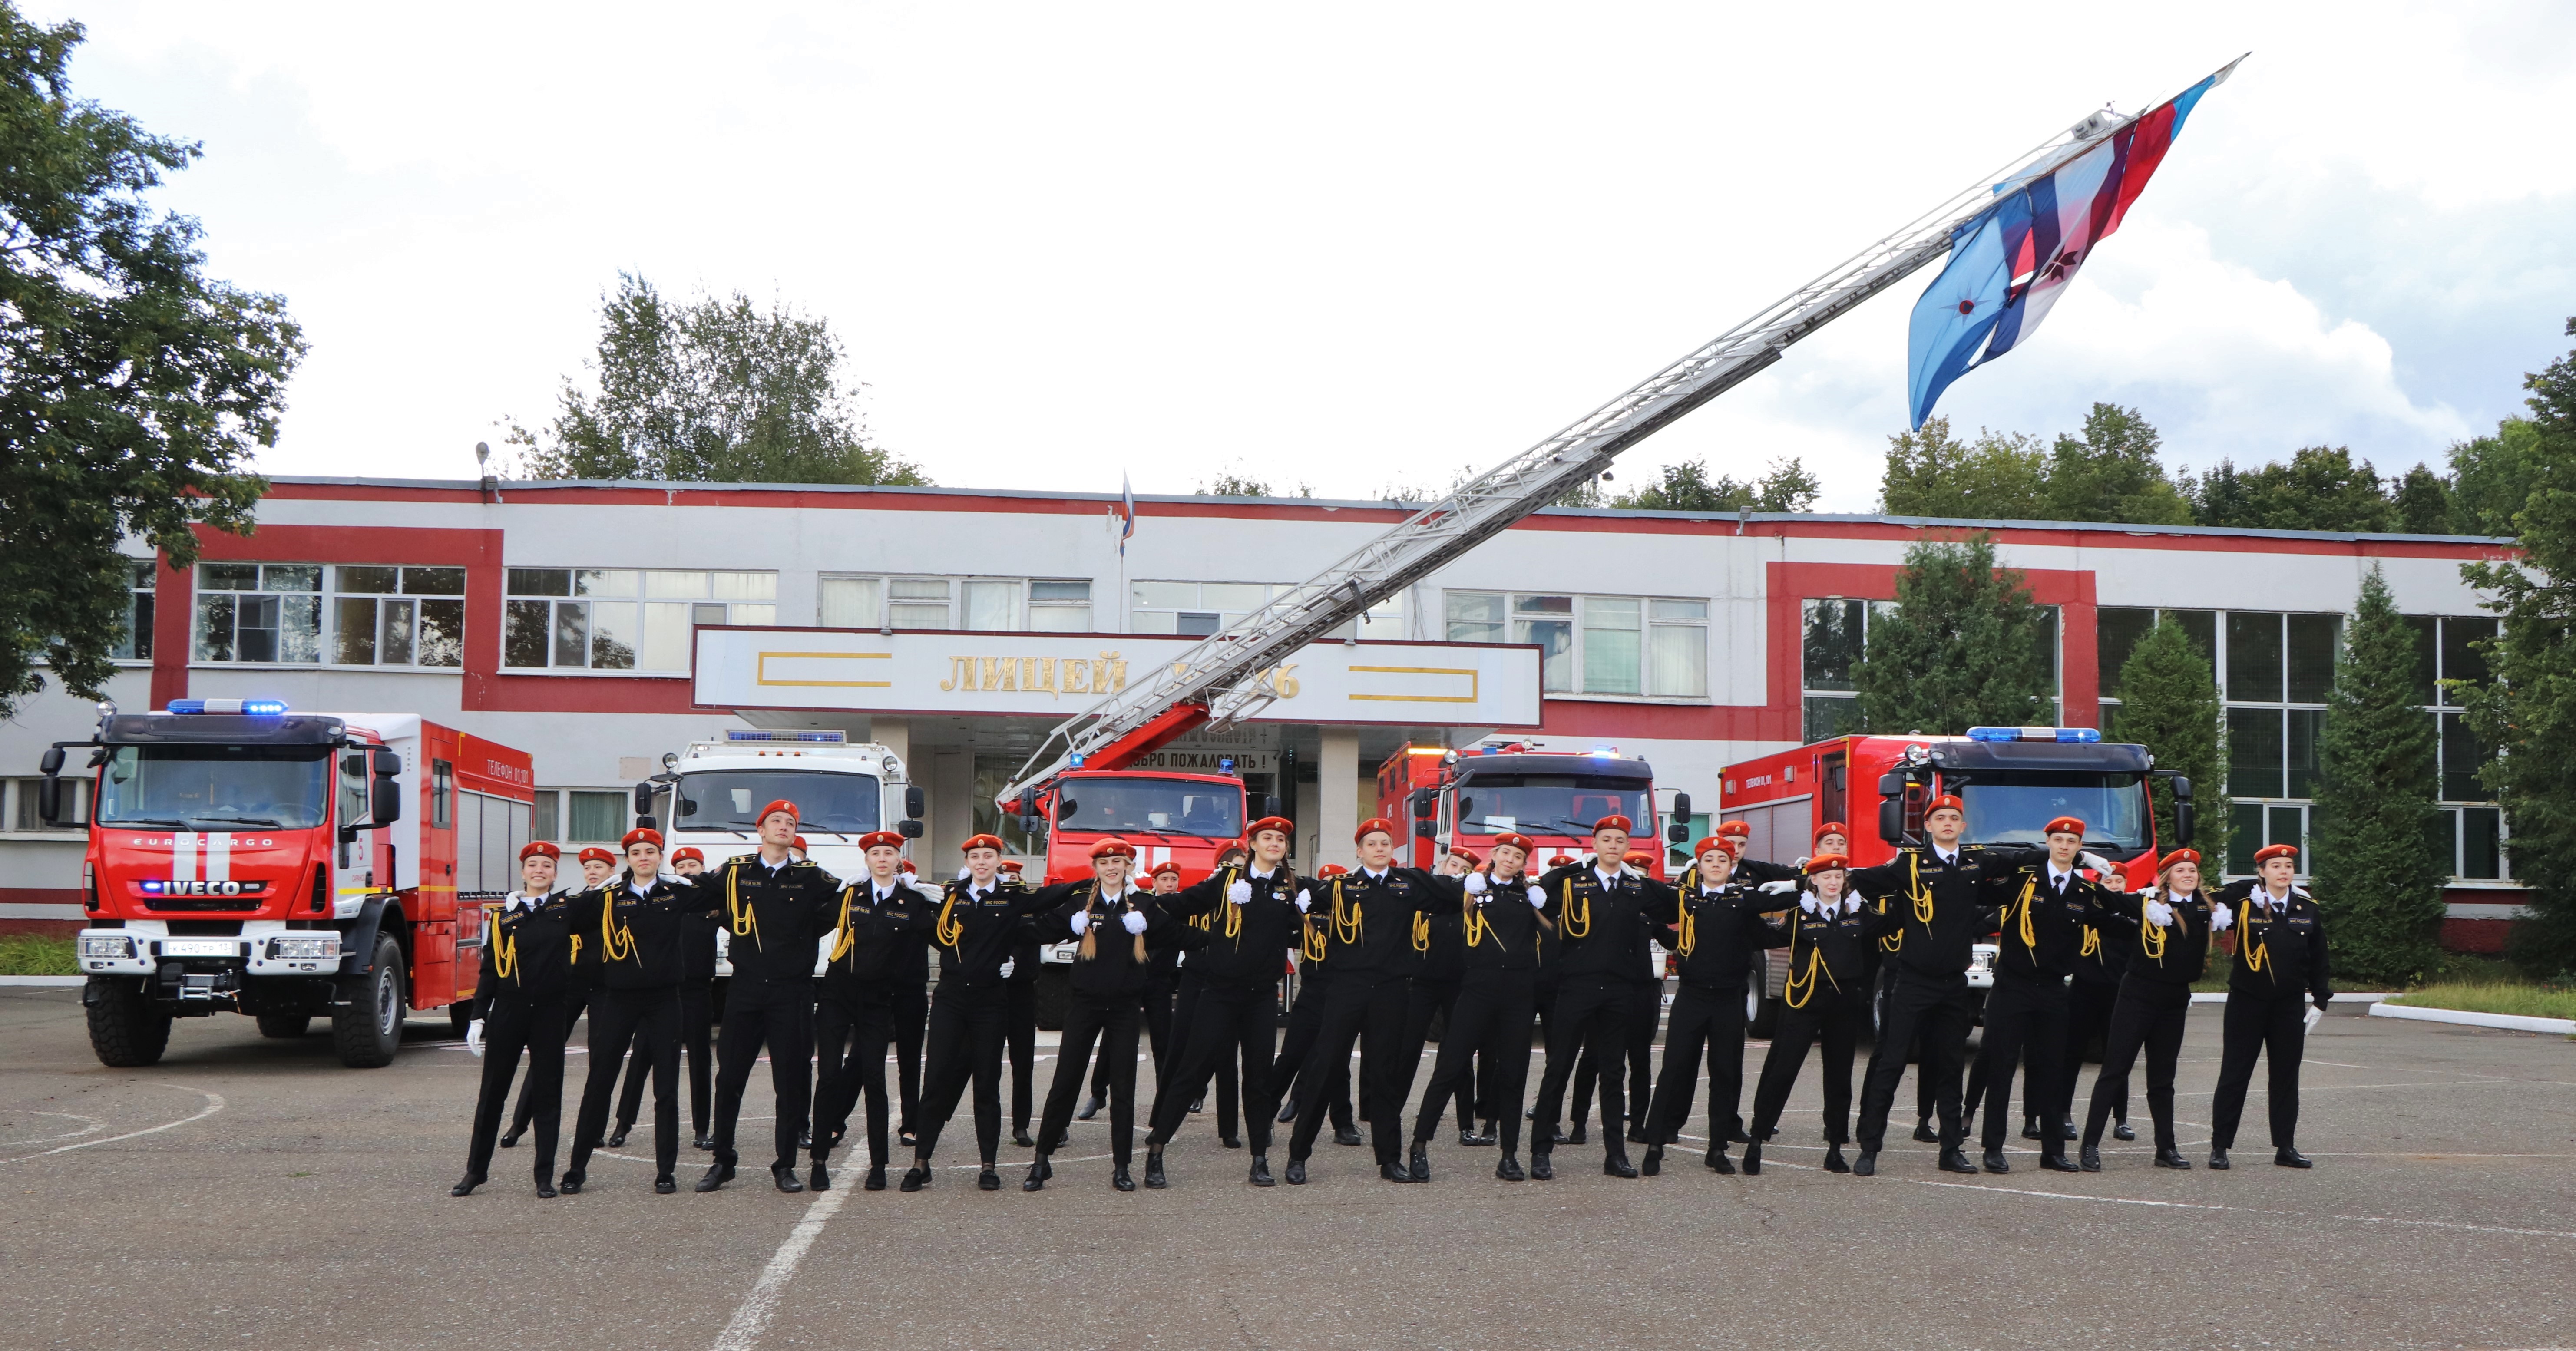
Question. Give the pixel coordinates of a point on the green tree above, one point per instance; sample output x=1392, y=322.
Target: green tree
x=2424, y=503
x=2113, y=472
x=2529, y=710
x=2375, y=869
x=1963, y=649
x=2000, y=477
x=712, y=390
x=2169, y=704
x=1788, y=487
x=133, y=388
x=2321, y=488
x=2492, y=476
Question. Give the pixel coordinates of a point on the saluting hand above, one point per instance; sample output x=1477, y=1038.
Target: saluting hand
x=1780, y=888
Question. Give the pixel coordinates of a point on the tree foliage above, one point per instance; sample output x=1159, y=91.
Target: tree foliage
x=2169, y=703
x=1787, y=487
x=1236, y=482
x=711, y=390
x=2376, y=874
x=2529, y=711
x=133, y=388
x=2113, y=471
x=1998, y=477
x=1963, y=649
x=2491, y=477
x=2320, y=488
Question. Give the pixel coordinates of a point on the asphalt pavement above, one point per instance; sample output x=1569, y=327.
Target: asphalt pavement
x=253, y=1193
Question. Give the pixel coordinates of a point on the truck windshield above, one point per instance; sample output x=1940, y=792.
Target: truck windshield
x=216, y=787
x=1154, y=806
x=2010, y=808
x=1548, y=804
x=730, y=799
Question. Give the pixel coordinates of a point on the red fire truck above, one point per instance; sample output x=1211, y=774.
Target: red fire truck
x=244, y=858
x=2013, y=779
x=1467, y=797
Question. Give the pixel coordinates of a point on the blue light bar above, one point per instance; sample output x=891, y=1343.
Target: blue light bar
x=258, y=708
x=1076, y=760
x=2084, y=735
x=1225, y=764
x=767, y=734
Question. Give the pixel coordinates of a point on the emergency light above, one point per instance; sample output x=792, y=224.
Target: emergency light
x=257, y=708
x=766, y=734
x=2083, y=735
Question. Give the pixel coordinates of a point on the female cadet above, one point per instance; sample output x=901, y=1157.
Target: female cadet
x=581, y=978
x=697, y=1023
x=2164, y=954
x=641, y=922
x=1110, y=917
x=2280, y=968
x=1716, y=927
x=854, y=1018
x=977, y=926
x=520, y=996
x=1250, y=914
x=1827, y=999
x=1503, y=934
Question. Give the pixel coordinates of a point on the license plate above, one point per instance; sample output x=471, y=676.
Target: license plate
x=199, y=947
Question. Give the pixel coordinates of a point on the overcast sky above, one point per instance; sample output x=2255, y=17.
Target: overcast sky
x=1361, y=245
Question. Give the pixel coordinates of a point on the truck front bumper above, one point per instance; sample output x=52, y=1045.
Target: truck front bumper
x=263, y=949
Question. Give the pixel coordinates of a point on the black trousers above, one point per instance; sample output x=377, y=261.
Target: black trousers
x=2150, y=1014
x=1369, y=1010
x=1111, y=1025
x=2026, y=1014
x=1714, y=1020
x=1924, y=1096
x=1230, y=1095
x=850, y=1040
x=508, y=1028
x=1837, y=1019
x=1593, y=1015
x=1490, y=1022
x=1645, y=1010
x=649, y=1020
x=2089, y=1006
x=1936, y=1010
x=575, y=1003
x=1296, y=1050
x=1156, y=1003
x=696, y=1004
x=780, y=1015
x=1022, y=1040
x=2273, y=1027
x=1431, y=1000
x=967, y=1027
x=911, y=1003
x=1226, y=1024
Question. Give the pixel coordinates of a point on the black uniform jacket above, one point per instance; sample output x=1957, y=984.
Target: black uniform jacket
x=976, y=933
x=1369, y=923
x=872, y=937
x=2279, y=949
x=1501, y=931
x=1111, y=972
x=1716, y=932
x=1940, y=908
x=1829, y=951
x=2174, y=954
x=2101, y=954
x=640, y=939
x=773, y=920
x=526, y=953
x=1246, y=944
x=1601, y=927
x=2041, y=928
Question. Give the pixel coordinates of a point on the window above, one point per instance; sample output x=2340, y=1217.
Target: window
x=2117, y=634
x=442, y=794
x=988, y=604
x=259, y=612
x=598, y=816
x=2468, y=831
x=1836, y=632
x=135, y=643
x=624, y=619
x=75, y=805
x=2276, y=672
x=1601, y=645
x=389, y=616
x=369, y=615
x=549, y=815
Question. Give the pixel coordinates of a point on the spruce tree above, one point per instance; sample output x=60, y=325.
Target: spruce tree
x=1962, y=649
x=2169, y=704
x=2375, y=871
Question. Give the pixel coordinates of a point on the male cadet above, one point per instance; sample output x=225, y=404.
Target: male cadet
x=1715, y=928
x=1020, y=1005
x=854, y=1019
x=697, y=1020
x=1502, y=935
x=1367, y=917
x=2046, y=905
x=775, y=909
x=1252, y=914
x=2280, y=967
x=1602, y=912
x=581, y=977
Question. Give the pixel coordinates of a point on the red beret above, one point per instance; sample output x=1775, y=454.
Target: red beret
x=2180, y=856
x=1331, y=870
x=781, y=805
x=2064, y=825
x=687, y=851
x=1374, y=823
x=1826, y=863
x=595, y=853
x=1278, y=823
x=1948, y=800
x=538, y=849
x=1167, y=866
x=1833, y=828
x=885, y=838
x=1616, y=822
x=907, y=865
x=1641, y=858
x=797, y=843
x=1517, y=841
x=975, y=842
x=1715, y=842
x=1559, y=860
x=2272, y=851
x=1739, y=829
x=1462, y=851
x=1008, y=865
x=641, y=835
x=1113, y=847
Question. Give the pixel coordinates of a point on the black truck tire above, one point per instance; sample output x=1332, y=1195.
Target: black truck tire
x=125, y=1029
x=284, y=1026
x=367, y=1030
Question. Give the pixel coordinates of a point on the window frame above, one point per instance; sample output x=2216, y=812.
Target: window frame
x=331, y=599
x=1025, y=601
x=1579, y=651
x=1825, y=713
x=636, y=606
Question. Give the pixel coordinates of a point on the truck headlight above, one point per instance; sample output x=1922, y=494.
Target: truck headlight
x=115, y=946
x=305, y=947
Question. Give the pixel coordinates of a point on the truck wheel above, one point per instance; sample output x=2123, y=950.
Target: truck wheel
x=367, y=1030
x=125, y=1029
x=284, y=1026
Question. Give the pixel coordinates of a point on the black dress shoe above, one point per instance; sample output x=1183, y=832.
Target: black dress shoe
x=1042, y=1168
x=805, y=1137
x=511, y=1140
x=618, y=1140
x=1154, y=1177
x=1924, y=1131
x=1484, y=1138
x=545, y=1191
x=2123, y=1131
x=1296, y=1174
x=915, y=1178
x=1718, y=1163
x=1062, y=1138
x=1394, y=1172
x=1556, y=1134
x=1653, y=1164
x=1198, y=1105
x=1260, y=1174
x=1577, y=1136
x=876, y=1178
x=2291, y=1158
x=1542, y=1167
x=718, y=1174
x=706, y=1141
x=1508, y=1168
x=1866, y=1165
x=2030, y=1128
x=1090, y=1108
x=1230, y=1141
x=1834, y=1161
x=571, y=1184
x=1121, y=1181
x=465, y=1186
x=1287, y=1113
x=2172, y=1158
x=1037, y=1178
x=1994, y=1161
x=2090, y=1159
x=783, y=1176
x=1753, y=1159
x=1617, y=1165
x=1738, y=1137
x=2218, y=1159
x=665, y=1185
x=1954, y=1161
x=1021, y=1138
x=906, y=1137
x=2066, y=1129
x=1637, y=1135
x=988, y=1180
x=818, y=1178
x=1346, y=1135
x=1420, y=1165
x=2056, y=1163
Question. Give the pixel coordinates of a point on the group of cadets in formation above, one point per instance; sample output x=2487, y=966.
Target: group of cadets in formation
x=1488, y=945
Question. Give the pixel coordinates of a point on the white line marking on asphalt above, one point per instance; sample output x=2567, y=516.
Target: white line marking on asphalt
x=751, y=1318
x=214, y=1104
x=94, y=1127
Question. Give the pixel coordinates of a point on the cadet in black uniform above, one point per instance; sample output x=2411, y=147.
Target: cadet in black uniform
x=1020, y=992
x=1367, y=919
x=641, y=922
x=2101, y=958
x=1645, y=1014
x=1111, y=919
x=1305, y=1022
x=776, y=909
x=2166, y=941
x=1442, y=962
x=1828, y=937
x=1162, y=974
x=1503, y=937
x=581, y=978
x=1601, y=911
x=976, y=928
x=697, y=1022
x=854, y=1016
x=911, y=985
x=1186, y=988
x=527, y=940
x=1251, y=914
x=2280, y=969
x=1716, y=927
x=2044, y=907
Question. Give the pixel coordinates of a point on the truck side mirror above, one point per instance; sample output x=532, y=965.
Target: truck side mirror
x=2181, y=788
x=914, y=804
x=1891, y=784
x=909, y=828
x=1891, y=819
x=644, y=799
x=51, y=762
x=2182, y=824
x=1426, y=804
x=49, y=799
x=1270, y=804
x=385, y=764
x=1679, y=831
x=1681, y=806
x=1426, y=829
x=384, y=800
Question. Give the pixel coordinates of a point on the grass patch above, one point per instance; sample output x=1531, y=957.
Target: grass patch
x=36, y=955
x=2525, y=1000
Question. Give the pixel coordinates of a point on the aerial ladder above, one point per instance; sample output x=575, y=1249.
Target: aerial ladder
x=1216, y=682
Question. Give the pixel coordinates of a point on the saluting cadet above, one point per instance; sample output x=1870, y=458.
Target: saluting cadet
x=581, y=978
x=1305, y=1023
x=1110, y=919
x=697, y=1020
x=1503, y=934
x=2280, y=973
x=1251, y=913
x=2166, y=942
x=640, y=921
x=1715, y=927
x=2044, y=907
x=1601, y=911
x=776, y=909
x=1367, y=918
x=976, y=928
x=519, y=996
x=854, y=1017
x=1827, y=999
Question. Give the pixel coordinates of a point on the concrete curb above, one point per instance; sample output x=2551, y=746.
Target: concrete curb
x=47, y=982
x=2220, y=997
x=2507, y=1022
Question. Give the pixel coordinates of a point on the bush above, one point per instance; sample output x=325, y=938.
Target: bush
x=36, y=955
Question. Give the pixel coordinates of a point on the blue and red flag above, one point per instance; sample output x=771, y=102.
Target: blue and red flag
x=2009, y=264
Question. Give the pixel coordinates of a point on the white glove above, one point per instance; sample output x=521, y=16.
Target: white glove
x=2219, y=918
x=1134, y=920
x=1304, y=898
x=1240, y=892
x=964, y=873
x=2096, y=862
x=2315, y=1016
x=1780, y=888
x=1008, y=965
x=1812, y=904
x=1802, y=861
x=1851, y=905
x=1475, y=884
x=474, y=1038
x=2159, y=914
x=1081, y=923
x=1537, y=895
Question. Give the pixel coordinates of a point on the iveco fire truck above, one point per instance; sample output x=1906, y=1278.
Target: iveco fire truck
x=2014, y=780
x=244, y=858
x=1467, y=797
